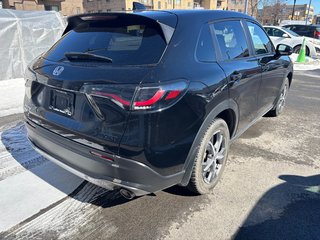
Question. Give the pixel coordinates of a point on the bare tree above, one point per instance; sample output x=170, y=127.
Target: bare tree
x=273, y=11
x=253, y=7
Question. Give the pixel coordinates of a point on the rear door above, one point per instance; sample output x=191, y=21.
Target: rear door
x=272, y=67
x=241, y=68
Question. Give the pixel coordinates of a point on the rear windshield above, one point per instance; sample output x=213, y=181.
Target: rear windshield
x=125, y=43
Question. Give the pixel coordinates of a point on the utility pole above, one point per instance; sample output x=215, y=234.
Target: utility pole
x=246, y=6
x=307, y=17
x=294, y=6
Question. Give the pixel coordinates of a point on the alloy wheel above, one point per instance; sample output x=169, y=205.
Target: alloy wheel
x=214, y=157
x=282, y=99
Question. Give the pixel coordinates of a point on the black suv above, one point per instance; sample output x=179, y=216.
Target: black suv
x=312, y=31
x=143, y=101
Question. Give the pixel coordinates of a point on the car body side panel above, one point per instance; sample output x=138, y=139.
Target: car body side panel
x=273, y=73
x=245, y=90
x=163, y=139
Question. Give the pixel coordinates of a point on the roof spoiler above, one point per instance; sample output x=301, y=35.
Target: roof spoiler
x=76, y=20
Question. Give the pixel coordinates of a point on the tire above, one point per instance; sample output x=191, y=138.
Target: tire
x=278, y=108
x=210, y=151
x=296, y=49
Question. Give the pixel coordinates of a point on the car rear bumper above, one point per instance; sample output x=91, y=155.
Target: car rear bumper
x=111, y=174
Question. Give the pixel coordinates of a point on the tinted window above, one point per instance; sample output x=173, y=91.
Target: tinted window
x=125, y=43
x=231, y=39
x=205, y=50
x=278, y=32
x=261, y=42
x=269, y=31
x=297, y=28
x=292, y=33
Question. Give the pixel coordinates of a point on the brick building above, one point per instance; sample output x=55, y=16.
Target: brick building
x=213, y=4
x=71, y=7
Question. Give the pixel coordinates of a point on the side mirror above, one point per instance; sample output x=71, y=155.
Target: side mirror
x=285, y=35
x=283, y=50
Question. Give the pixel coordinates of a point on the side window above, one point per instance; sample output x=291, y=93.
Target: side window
x=205, y=50
x=261, y=42
x=278, y=32
x=269, y=31
x=300, y=28
x=231, y=39
x=293, y=28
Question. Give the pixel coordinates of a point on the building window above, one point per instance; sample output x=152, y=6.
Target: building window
x=51, y=8
x=165, y=5
x=170, y=2
x=107, y=1
x=178, y=2
x=78, y=10
x=159, y=5
x=90, y=0
x=219, y=3
x=189, y=4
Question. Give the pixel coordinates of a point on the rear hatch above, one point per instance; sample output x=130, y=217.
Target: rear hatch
x=83, y=88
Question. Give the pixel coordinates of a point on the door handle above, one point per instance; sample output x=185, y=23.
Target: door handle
x=235, y=77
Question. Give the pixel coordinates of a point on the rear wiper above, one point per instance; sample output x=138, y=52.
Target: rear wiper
x=79, y=56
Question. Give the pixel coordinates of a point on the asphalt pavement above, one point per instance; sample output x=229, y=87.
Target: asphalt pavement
x=270, y=188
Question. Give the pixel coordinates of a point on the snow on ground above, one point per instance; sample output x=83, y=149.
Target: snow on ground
x=11, y=96
x=310, y=64
x=22, y=170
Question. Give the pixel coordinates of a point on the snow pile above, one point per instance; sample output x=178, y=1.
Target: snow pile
x=11, y=96
x=310, y=64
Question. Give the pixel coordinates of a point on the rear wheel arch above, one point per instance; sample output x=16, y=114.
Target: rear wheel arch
x=229, y=116
x=226, y=110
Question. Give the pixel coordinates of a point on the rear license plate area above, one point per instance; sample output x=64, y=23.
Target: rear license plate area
x=62, y=102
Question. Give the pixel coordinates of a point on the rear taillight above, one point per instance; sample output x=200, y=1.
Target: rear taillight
x=160, y=97
x=141, y=98
x=29, y=77
x=317, y=34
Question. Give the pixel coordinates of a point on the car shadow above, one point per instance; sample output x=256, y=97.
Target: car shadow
x=16, y=143
x=273, y=217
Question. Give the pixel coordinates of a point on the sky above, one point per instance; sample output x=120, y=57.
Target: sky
x=314, y=3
